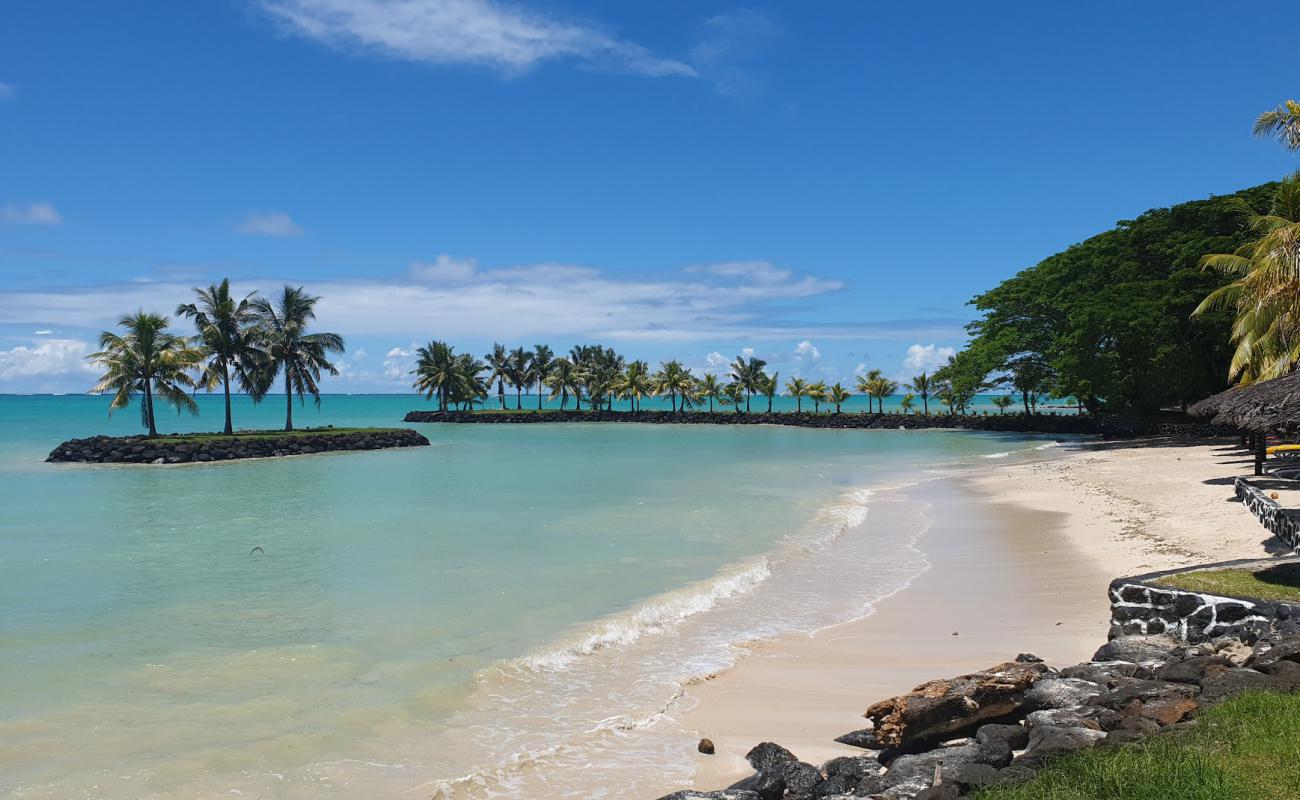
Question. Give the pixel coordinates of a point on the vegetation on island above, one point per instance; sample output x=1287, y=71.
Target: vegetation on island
x=1161, y=311
x=1242, y=749
x=251, y=340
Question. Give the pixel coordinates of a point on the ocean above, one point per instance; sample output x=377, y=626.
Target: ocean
x=511, y=612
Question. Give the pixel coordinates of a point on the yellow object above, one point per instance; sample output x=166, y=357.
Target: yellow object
x=1283, y=448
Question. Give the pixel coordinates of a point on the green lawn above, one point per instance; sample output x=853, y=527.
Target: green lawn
x=207, y=437
x=1246, y=748
x=1276, y=583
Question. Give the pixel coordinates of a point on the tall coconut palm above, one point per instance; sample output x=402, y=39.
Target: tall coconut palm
x=1003, y=402
x=866, y=385
x=435, y=372
x=148, y=360
x=923, y=385
x=798, y=389
x=769, y=386
x=300, y=356
x=749, y=374
x=1265, y=294
x=1281, y=123
x=883, y=388
x=468, y=384
x=634, y=383
x=519, y=374
x=907, y=403
x=498, y=364
x=733, y=394
x=540, y=369
x=674, y=380
x=838, y=395
x=710, y=389
x=228, y=331
x=817, y=392
x=564, y=379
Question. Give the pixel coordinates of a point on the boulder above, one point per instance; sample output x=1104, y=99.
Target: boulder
x=938, y=708
x=1015, y=736
x=1127, y=690
x=1230, y=682
x=1164, y=711
x=1060, y=718
x=800, y=778
x=724, y=794
x=1191, y=670
x=919, y=767
x=1061, y=693
x=766, y=755
x=944, y=791
x=1049, y=741
x=864, y=738
x=1137, y=649
x=766, y=785
x=1266, y=653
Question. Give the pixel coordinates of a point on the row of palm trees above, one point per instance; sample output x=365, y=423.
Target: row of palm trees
x=249, y=341
x=599, y=375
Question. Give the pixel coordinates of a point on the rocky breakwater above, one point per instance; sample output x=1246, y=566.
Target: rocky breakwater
x=947, y=738
x=1104, y=425
x=181, y=449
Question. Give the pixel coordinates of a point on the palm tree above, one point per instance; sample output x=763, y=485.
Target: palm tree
x=732, y=394
x=883, y=388
x=946, y=395
x=710, y=388
x=798, y=389
x=563, y=379
x=818, y=392
x=149, y=360
x=540, y=368
x=837, y=395
x=1003, y=402
x=498, y=362
x=749, y=375
x=866, y=384
x=769, y=386
x=517, y=371
x=634, y=383
x=299, y=355
x=1282, y=123
x=468, y=384
x=1265, y=294
x=923, y=385
x=227, y=330
x=435, y=371
x=674, y=379
x=907, y=403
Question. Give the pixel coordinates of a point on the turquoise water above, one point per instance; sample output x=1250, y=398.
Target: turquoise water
x=454, y=620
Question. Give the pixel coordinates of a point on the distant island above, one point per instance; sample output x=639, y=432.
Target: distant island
x=207, y=447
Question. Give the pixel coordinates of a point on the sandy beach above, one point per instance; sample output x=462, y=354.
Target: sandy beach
x=1022, y=564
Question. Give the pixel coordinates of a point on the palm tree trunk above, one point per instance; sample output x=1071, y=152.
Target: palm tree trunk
x=769, y=404
x=925, y=403
x=501, y=393
x=747, y=396
x=1024, y=396
x=519, y=403
x=798, y=404
x=148, y=405
x=225, y=379
x=539, y=394
x=288, y=402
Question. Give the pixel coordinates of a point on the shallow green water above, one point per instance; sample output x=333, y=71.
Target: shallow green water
x=401, y=597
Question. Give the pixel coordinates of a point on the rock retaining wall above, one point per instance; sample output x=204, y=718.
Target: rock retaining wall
x=1140, y=606
x=1031, y=423
x=1284, y=523
x=183, y=450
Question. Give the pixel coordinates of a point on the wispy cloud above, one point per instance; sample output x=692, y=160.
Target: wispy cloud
x=39, y=213
x=728, y=45
x=479, y=33
x=444, y=268
x=8, y=91
x=268, y=223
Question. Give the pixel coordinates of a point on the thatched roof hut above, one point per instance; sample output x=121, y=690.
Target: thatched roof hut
x=1267, y=407
x=1212, y=404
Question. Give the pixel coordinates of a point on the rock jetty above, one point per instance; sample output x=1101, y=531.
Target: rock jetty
x=947, y=738
x=185, y=449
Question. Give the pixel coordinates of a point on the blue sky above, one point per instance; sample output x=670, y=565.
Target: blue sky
x=827, y=184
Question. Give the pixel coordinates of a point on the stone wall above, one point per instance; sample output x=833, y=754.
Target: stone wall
x=183, y=450
x=1284, y=523
x=1105, y=425
x=1140, y=606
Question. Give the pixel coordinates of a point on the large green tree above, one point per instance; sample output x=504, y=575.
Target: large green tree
x=229, y=332
x=146, y=359
x=1109, y=320
x=299, y=356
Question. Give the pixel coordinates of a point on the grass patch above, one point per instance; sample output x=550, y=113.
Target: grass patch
x=246, y=435
x=1275, y=583
x=1246, y=748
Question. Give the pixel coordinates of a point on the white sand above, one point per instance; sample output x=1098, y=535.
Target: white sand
x=1023, y=567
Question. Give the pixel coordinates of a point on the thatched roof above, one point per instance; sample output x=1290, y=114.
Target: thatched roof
x=1212, y=404
x=1263, y=407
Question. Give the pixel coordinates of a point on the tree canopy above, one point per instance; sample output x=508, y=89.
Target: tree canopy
x=1109, y=320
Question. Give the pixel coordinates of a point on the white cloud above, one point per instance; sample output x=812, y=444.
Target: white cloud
x=268, y=223
x=533, y=302
x=861, y=368
x=747, y=353
x=42, y=332
x=715, y=361
x=927, y=357
x=808, y=351
x=727, y=42
x=49, y=358
x=444, y=268
x=359, y=354
x=397, y=352
x=40, y=213
x=481, y=33
x=7, y=91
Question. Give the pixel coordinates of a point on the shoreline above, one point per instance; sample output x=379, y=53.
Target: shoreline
x=1023, y=567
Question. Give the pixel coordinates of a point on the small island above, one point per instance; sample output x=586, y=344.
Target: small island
x=207, y=447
